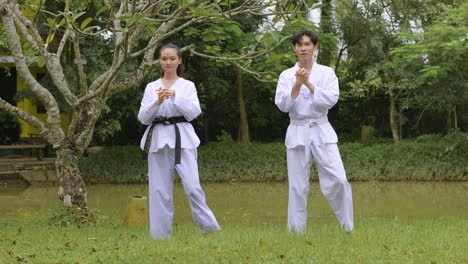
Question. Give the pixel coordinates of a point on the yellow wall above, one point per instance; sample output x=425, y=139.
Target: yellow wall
x=29, y=13
x=28, y=106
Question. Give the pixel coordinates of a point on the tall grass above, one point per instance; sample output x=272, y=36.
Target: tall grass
x=373, y=241
x=427, y=158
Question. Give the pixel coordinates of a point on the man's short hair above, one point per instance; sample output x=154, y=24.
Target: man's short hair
x=296, y=39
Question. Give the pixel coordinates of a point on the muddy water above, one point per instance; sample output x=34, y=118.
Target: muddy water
x=257, y=203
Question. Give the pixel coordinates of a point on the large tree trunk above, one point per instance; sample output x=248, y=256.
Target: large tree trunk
x=206, y=127
x=326, y=26
x=394, y=120
x=243, y=123
x=72, y=190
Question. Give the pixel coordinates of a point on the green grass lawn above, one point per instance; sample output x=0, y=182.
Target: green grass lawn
x=441, y=240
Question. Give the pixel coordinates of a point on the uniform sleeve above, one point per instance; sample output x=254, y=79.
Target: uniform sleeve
x=283, y=98
x=148, y=108
x=186, y=101
x=327, y=94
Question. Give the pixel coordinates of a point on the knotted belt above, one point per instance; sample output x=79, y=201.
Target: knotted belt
x=166, y=121
x=309, y=122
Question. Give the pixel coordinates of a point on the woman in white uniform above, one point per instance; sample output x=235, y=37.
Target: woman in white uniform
x=167, y=107
x=307, y=91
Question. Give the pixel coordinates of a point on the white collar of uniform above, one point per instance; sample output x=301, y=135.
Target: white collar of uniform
x=314, y=66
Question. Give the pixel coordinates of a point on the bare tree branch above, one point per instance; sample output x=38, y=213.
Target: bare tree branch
x=133, y=80
x=102, y=83
x=49, y=13
x=153, y=5
x=34, y=121
x=173, y=15
x=119, y=35
x=99, y=86
x=52, y=61
x=84, y=136
x=163, y=32
x=250, y=55
x=43, y=94
x=179, y=14
x=63, y=41
x=67, y=5
x=29, y=32
x=422, y=113
x=256, y=75
x=79, y=64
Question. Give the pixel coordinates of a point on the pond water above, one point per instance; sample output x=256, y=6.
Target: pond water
x=257, y=203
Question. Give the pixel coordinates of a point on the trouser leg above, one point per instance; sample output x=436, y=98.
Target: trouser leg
x=161, y=207
x=298, y=179
x=188, y=172
x=333, y=183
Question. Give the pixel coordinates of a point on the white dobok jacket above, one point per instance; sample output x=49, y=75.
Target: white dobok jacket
x=308, y=112
x=184, y=103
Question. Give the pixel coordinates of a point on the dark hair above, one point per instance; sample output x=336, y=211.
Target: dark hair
x=180, y=68
x=296, y=39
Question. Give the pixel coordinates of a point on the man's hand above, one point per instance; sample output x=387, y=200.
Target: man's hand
x=302, y=77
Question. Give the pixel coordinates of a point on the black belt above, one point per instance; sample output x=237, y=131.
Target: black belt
x=166, y=121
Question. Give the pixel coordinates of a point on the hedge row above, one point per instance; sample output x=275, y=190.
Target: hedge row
x=427, y=158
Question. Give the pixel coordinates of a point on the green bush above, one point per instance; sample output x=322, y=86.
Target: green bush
x=10, y=128
x=427, y=158
x=221, y=162
x=117, y=164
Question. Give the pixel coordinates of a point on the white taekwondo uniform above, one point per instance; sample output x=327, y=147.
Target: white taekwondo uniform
x=161, y=163
x=310, y=136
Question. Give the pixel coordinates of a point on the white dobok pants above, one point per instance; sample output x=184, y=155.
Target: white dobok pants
x=161, y=182
x=333, y=183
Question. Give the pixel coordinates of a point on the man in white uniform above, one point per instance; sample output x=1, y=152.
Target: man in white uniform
x=307, y=91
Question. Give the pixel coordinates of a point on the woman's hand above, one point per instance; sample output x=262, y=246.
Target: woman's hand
x=169, y=92
x=161, y=98
x=164, y=94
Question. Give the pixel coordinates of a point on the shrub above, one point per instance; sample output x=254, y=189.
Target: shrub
x=429, y=158
x=10, y=129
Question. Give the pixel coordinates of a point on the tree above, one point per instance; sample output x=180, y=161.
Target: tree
x=437, y=57
x=370, y=31
x=327, y=36
x=224, y=38
x=135, y=29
